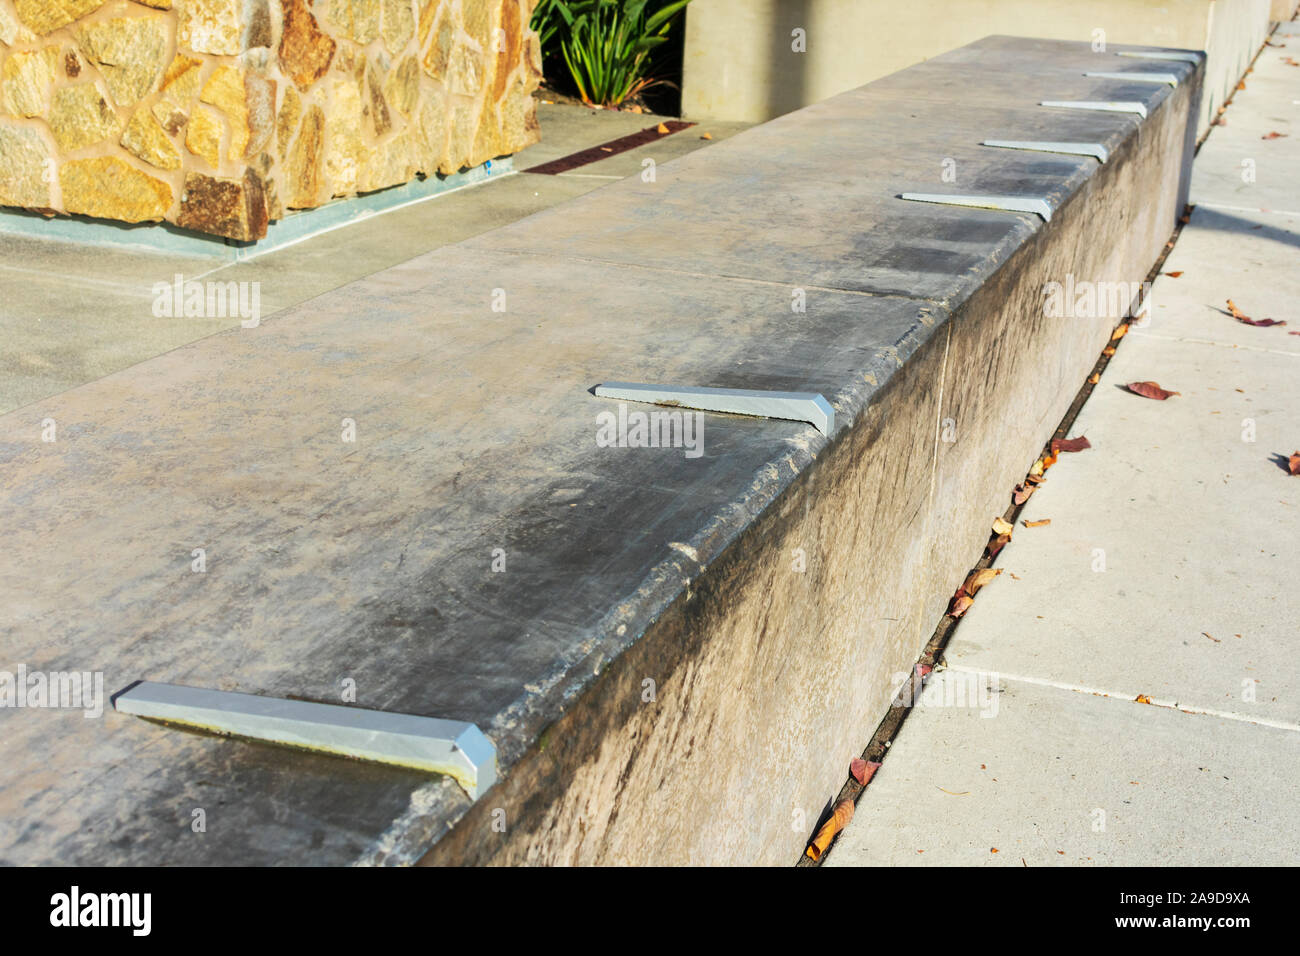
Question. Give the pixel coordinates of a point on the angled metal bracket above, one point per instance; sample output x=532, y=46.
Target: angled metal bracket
x=453, y=747
x=1034, y=204
x=1074, y=149
x=1138, y=77
x=1161, y=55
x=1108, y=106
x=808, y=407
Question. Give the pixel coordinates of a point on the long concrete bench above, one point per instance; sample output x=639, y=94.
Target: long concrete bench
x=675, y=654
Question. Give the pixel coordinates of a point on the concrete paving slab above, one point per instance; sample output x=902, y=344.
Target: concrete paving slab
x=74, y=313
x=1236, y=168
x=1192, y=528
x=1252, y=256
x=1058, y=778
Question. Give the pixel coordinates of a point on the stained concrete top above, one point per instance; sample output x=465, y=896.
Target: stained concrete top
x=372, y=560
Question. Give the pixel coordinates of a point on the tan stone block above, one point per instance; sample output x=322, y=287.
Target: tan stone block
x=508, y=46
x=429, y=12
x=287, y=122
x=11, y=31
x=26, y=168
x=111, y=188
x=130, y=53
x=304, y=168
x=259, y=102
x=203, y=136
x=80, y=115
x=478, y=18
x=344, y=150
x=225, y=90
x=402, y=86
x=235, y=208
x=146, y=138
x=46, y=16
x=180, y=87
x=211, y=26
x=519, y=126
x=181, y=81
x=305, y=50
x=387, y=164
x=437, y=58
x=399, y=25
x=429, y=135
x=379, y=116
x=465, y=71
x=460, y=138
x=26, y=78
x=355, y=19
x=169, y=116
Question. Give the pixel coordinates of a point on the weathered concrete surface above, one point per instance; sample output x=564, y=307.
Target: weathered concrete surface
x=329, y=560
x=1167, y=571
x=1060, y=779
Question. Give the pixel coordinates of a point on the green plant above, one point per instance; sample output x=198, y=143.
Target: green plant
x=606, y=44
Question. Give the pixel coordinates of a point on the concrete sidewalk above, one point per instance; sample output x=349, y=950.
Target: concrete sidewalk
x=1168, y=571
x=73, y=313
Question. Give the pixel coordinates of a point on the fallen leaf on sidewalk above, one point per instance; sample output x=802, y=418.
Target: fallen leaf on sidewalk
x=997, y=544
x=706, y=136
x=1212, y=637
x=1142, y=699
x=1038, y=524
x=1274, y=135
x=1288, y=61
x=837, y=822
x=1096, y=377
x=661, y=128
x=1150, y=390
x=1108, y=350
x=978, y=579
x=960, y=604
x=863, y=770
x=1070, y=444
x=1020, y=494
x=993, y=849
x=1293, y=465
x=1244, y=318
x=1241, y=85
x=1000, y=526
x=1174, y=275
x=1119, y=332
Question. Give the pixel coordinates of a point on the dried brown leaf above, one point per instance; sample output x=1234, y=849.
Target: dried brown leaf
x=837, y=822
x=1001, y=526
x=1070, y=444
x=1038, y=524
x=1150, y=390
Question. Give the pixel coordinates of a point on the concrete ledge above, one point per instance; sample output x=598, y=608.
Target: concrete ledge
x=670, y=641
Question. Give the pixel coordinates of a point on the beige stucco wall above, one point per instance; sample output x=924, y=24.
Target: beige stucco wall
x=739, y=65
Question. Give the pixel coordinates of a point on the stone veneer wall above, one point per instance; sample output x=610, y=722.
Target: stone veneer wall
x=218, y=115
